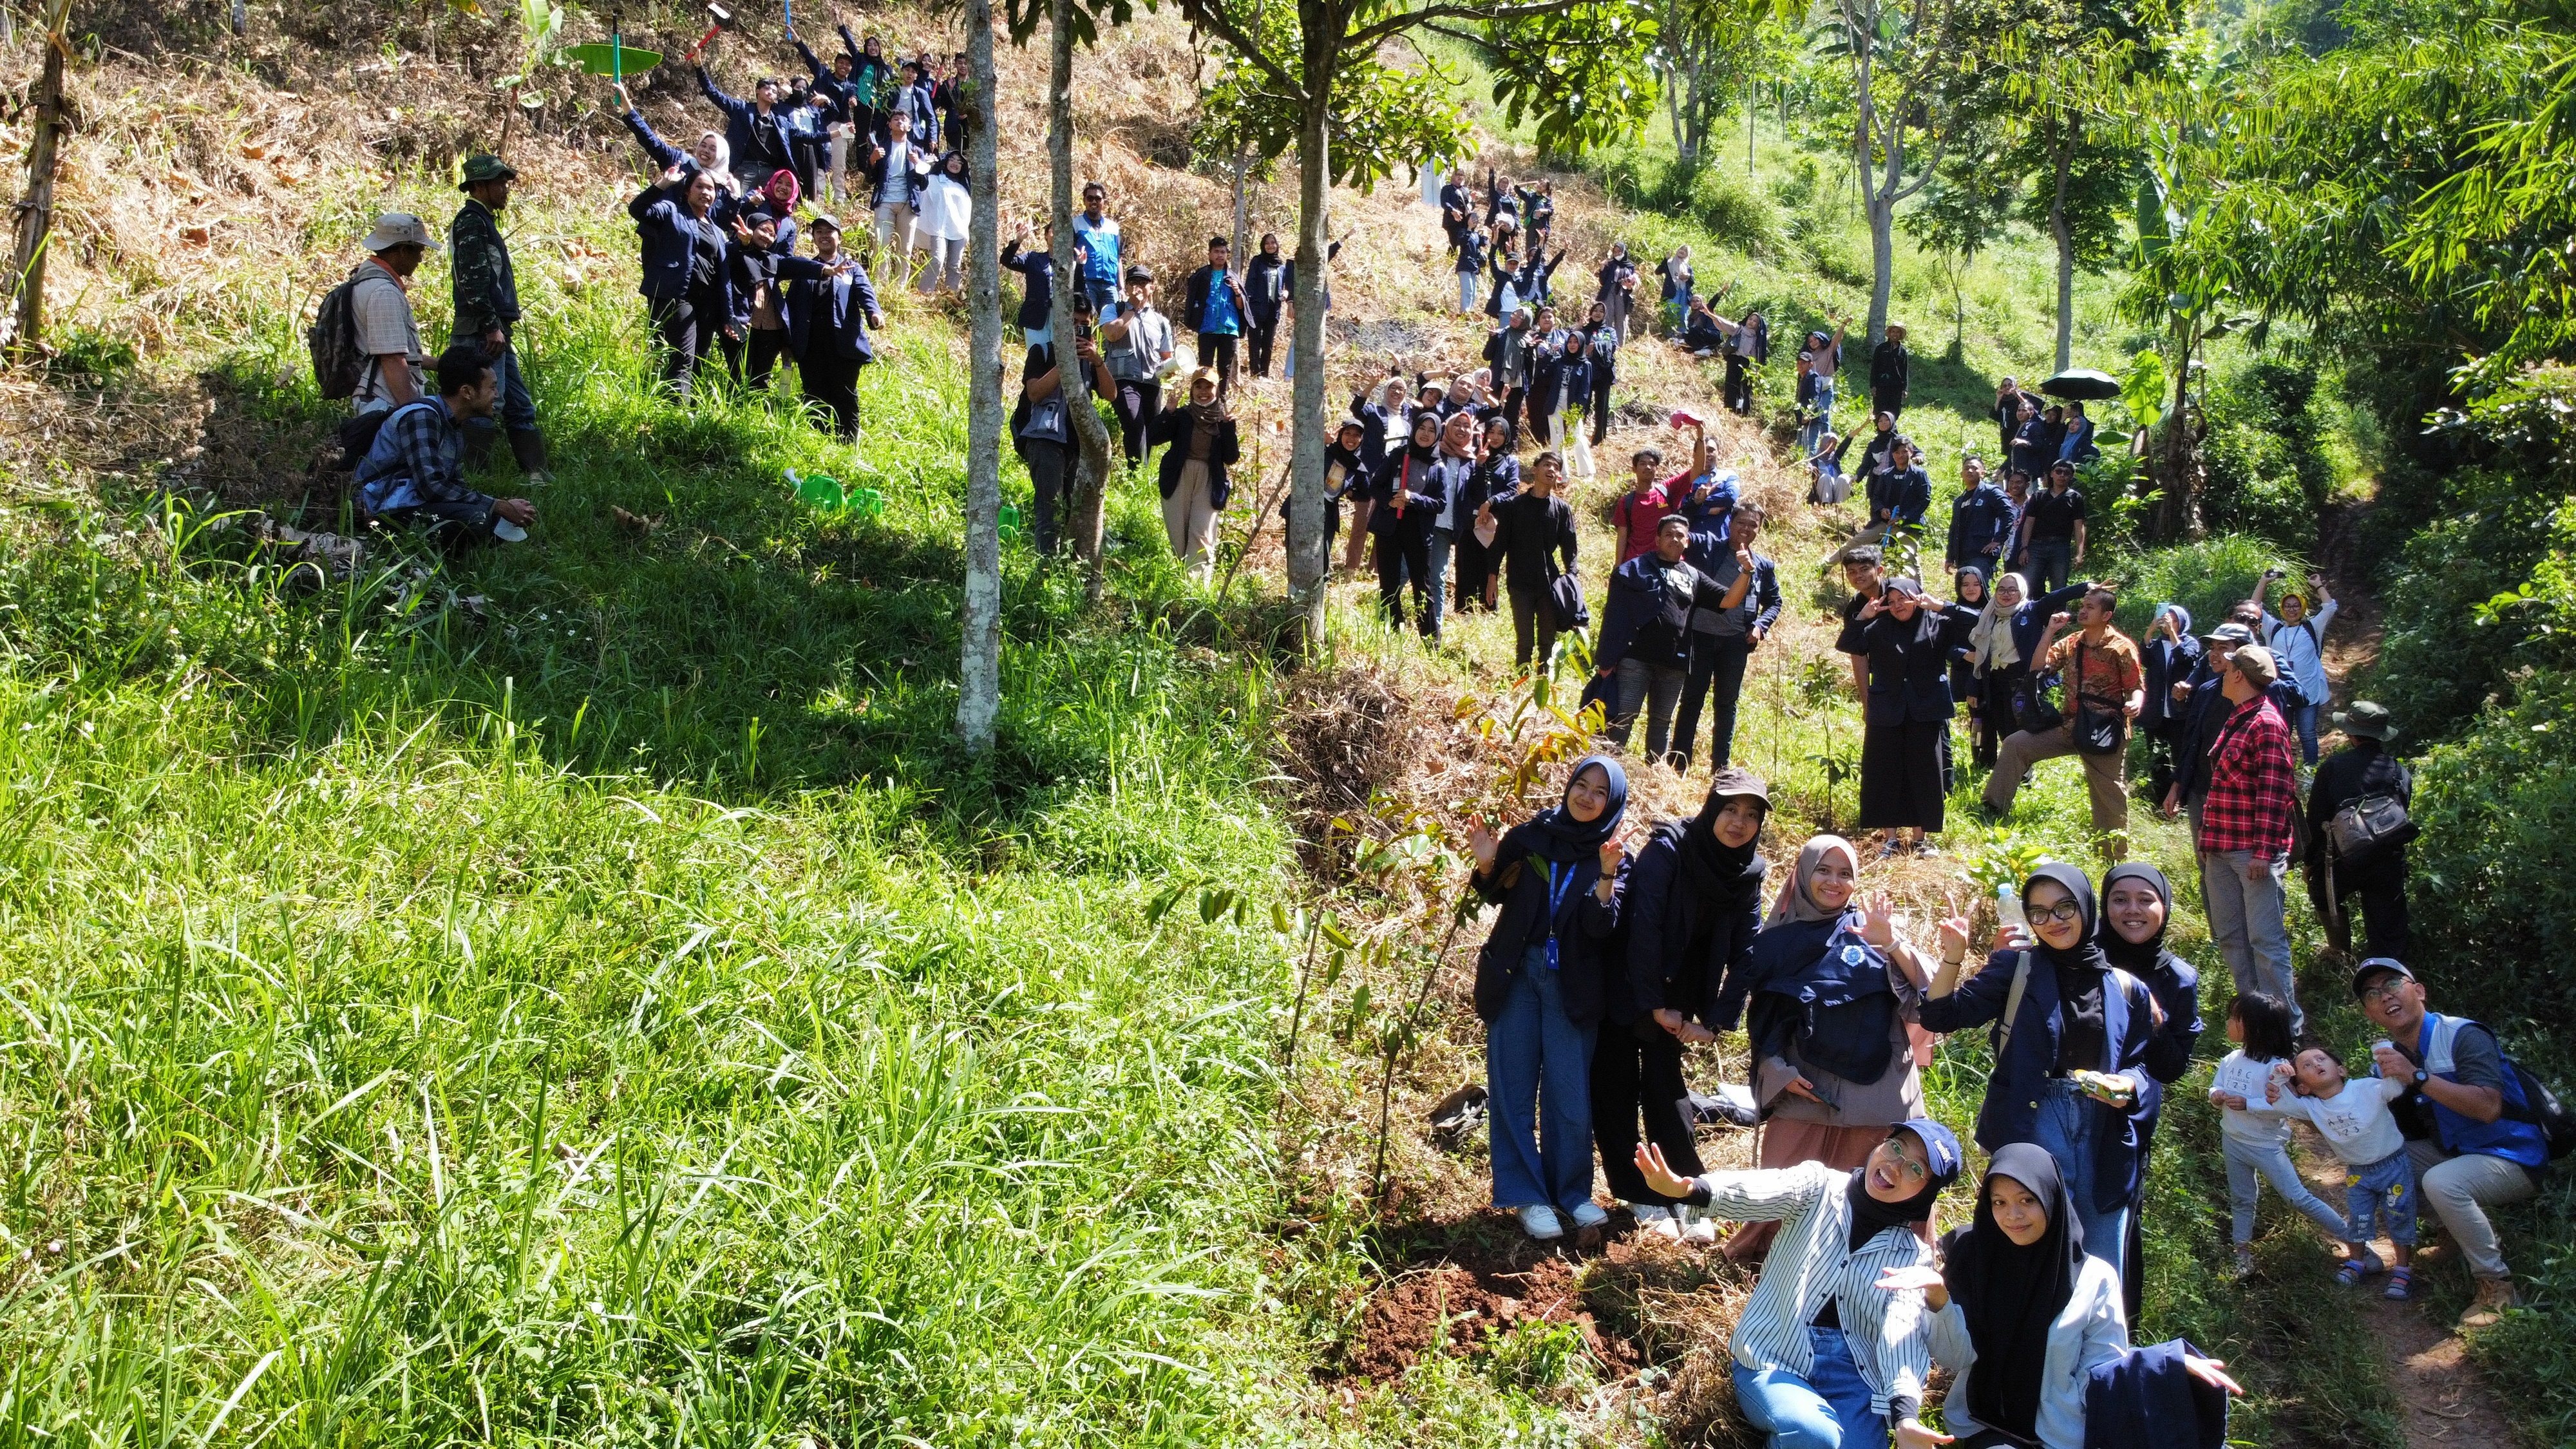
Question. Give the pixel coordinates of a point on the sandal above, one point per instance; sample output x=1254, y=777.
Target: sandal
x=2356, y=1268
x=2401, y=1282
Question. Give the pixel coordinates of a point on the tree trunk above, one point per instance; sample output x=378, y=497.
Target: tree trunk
x=2065, y=235
x=1242, y=163
x=1091, y=468
x=1695, y=108
x=1751, y=109
x=2178, y=515
x=36, y=214
x=1308, y=568
x=979, y=662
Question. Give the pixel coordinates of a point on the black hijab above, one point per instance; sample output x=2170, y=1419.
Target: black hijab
x=1557, y=836
x=2082, y=973
x=2143, y=957
x=1712, y=862
x=2012, y=1294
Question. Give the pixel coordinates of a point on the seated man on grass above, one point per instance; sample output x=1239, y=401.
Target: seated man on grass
x=415, y=471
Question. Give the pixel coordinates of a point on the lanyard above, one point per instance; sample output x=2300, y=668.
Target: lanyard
x=1557, y=890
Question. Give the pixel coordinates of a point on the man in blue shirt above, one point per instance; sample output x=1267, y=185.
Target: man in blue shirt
x=1095, y=252
x=1215, y=312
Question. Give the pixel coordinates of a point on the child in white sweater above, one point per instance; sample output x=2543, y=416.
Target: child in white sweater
x=2257, y=1147
x=2379, y=1178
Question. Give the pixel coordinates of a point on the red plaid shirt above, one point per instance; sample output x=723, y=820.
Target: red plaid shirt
x=2253, y=785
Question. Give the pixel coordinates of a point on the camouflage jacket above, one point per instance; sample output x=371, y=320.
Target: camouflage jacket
x=487, y=291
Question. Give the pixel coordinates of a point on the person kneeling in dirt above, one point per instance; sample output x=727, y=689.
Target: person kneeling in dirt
x=415, y=472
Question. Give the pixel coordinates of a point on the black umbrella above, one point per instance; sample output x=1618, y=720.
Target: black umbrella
x=2083, y=384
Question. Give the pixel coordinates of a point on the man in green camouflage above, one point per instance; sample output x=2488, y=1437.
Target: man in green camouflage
x=487, y=311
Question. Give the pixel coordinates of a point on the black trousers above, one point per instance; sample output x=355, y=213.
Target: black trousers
x=1471, y=567
x=1739, y=392
x=2378, y=887
x=1637, y=1072
x=1902, y=774
x=832, y=383
x=1716, y=677
x=1600, y=411
x=1400, y=550
x=761, y=348
x=689, y=328
x=1216, y=349
x=1258, y=345
x=1995, y=722
x=1513, y=398
x=1137, y=403
x=1888, y=400
x=1533, y=626
x=1051, y=482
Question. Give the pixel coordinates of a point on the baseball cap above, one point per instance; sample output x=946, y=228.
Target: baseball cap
x=1940, y=1147
x=2374, y=966
x=1685, y=420
x=399, y=228
x=2256, y=663
x=2228, y=636
x=824, y=218
x=1734, y=783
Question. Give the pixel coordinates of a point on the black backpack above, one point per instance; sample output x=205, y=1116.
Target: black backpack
x=338, y=362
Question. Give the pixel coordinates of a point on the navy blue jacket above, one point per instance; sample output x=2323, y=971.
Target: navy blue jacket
x=1170, y=430
x=1635, y=598
x=1584, y=931
x=2011, y=1110
x=1978, y=517
x=1904, y=496
x=750, y=266
x=759, y=142
x=827, y=310
x=1194, y=305
x=1037, y=297
x=1909, y=677
x=1265, y=287
x=1661, y=972
x=1424, y=494
x=1555, y=370
x=1379, y=430
x=670, y=238
x=2031, y=620
x=2165, y=663
x=844, y=93
x=2147, y=1399
x=916, y=101
x=1471, y=253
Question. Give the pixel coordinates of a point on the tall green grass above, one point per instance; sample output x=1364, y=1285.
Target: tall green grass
x=618, y=1015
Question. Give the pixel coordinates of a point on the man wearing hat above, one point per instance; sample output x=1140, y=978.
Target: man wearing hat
x=486, y=293
x=1890, y=370
x=2362, y=770
x=381, y=307
x=2248, y=818
x=2468, y=1124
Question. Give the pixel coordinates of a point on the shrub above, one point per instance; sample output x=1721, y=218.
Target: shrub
x=2270, y=464
x=1734, y=213
x=2204, y=577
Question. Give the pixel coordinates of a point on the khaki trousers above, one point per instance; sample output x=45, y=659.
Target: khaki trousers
x=1190, y=520
x=2104, y=775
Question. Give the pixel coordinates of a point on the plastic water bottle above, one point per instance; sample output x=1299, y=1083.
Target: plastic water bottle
x=2008, y=908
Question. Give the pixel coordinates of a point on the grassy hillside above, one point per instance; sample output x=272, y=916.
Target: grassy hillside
x=582, y=996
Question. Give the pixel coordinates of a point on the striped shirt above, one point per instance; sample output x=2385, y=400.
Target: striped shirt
x=1809, y=1264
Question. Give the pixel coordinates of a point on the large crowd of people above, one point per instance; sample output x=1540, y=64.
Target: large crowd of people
x=1605, y=962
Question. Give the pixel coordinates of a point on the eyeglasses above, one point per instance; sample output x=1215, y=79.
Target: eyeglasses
x=1912, y=1170
x=2062, y=911
x=2389, y=993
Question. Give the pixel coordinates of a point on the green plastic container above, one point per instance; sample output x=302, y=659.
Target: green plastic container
x=1009, y=519
x=866, y=503
x=818, y=491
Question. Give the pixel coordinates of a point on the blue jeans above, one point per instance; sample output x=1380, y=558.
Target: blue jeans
x=518, y=410
x=1823, y=422
x=2071, y=1126
x=1442, y=541
x=2304, y=721
x=2050, y=560
x=1538, y=1084
x=2250, y=1165
x=1827, y=1409
x=1466, y=291
x=2383, y=1192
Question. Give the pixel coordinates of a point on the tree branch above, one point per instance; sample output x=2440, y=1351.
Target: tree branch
x=1409, y=19
x=1210, y=16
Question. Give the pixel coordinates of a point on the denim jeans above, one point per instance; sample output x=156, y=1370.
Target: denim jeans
x=1657, y=687
x=1442, y=541
x=1466, y=291
x=1538, y=1084
x=2381, y=1193
x=2303, y=722
x=2246, y=920
x=1827, y=1409
x=2249, y=1165
x=2050, y=560
x=2071, y=1127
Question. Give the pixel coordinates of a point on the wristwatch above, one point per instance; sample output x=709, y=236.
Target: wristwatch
x=2419, y=1076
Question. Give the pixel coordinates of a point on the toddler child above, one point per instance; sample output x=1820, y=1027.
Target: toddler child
x=2379, y=1178
x=2257, y=1146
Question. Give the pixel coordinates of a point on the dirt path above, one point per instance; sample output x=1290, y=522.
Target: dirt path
x=2445, y=1398
x=2352, y=645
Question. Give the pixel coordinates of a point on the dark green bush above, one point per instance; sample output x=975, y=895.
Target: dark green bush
x=2270, y=470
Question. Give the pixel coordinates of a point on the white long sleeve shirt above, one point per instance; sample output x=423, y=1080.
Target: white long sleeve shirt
x=2090, y=1330
x=2300, y=648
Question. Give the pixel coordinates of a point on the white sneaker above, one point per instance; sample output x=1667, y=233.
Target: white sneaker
x=1590, y=1215
x=1659, y=1221
x=1539, y=1221
x=1699, y=1227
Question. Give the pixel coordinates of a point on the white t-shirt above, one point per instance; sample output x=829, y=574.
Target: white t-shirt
x=382, y=310
x=2356, y=1121
x=2257, y=1127
x=946, y=208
